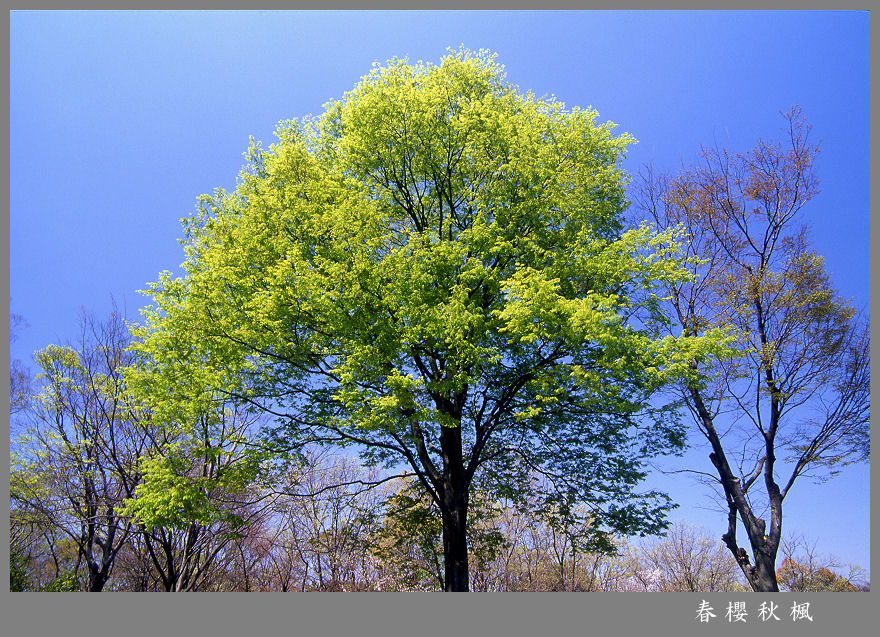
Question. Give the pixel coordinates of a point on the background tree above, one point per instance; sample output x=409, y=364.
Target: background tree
x=42, y=556
x=326, y=509
x=794, y=402
x=686, y=560
x=409, y=540
x=803, y=569
x=74, y=467
x=436, y=271
x=20, y=381
x=198, y=494
x=538, y=550
x=410, y=543
x=18, y=572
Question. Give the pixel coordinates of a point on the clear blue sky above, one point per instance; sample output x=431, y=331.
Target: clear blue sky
x=120, y=119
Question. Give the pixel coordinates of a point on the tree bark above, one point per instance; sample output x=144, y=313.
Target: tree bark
x=455, y=550
x=762, y=575
x=764, y=572
x=454, y=510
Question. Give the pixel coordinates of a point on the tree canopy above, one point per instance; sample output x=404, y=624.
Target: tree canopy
x=436, y=271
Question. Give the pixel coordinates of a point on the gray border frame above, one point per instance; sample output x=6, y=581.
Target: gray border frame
x=542, y=614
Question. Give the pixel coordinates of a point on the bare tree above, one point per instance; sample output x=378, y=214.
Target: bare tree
x=327, y=508
x=537, y=549
x=793, y=401
x=686, y=560
x=280, y=568
x=20, y=384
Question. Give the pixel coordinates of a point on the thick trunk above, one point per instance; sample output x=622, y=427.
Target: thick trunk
x=455, y=549
x=454, y=509
x=764, y=573
x=761, y=575
x=97, y=579
x=98, y=576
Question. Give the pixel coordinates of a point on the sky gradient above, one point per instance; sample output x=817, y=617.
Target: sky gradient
x=119, y=120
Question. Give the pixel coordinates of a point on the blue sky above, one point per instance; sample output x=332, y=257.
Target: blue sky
x=119, y=120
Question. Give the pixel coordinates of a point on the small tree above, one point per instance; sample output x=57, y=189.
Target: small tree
x=326, y=505
x=18, y=571
x=74, y=467
x=803, y=569
x=409, y=540
x=541, y=550
x=196, y=493
x=20, y=381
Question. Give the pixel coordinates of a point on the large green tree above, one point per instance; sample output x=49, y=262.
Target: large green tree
x=436, y=271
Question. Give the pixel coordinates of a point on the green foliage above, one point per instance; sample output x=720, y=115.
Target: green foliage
x=71, y=468
x=63, y=582
x=410, y=539
x=18, y=572
x=187, y=479
x=437, y=252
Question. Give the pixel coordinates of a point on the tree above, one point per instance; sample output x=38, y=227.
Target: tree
x=40, y=552
x=436, y=271
x=72, y=470
x=537, y=550
x=794, y=401
x=803, y=569
x=409, y=542
x=197, y=495
x=686, y=560
x=18, y=573
x=327, y=504
x=19, y=376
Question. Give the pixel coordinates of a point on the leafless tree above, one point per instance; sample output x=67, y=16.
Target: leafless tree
x=687, y=559
x=20, y=383
x=326, y=509
x=539, y=551
x=792, y=401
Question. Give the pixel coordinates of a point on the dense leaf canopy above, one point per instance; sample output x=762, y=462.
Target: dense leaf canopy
x=435, y=270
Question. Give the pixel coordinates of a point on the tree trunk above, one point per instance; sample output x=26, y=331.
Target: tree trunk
x=764, y=573
x=97, y=578
x=455, y=549
x=454, y=510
